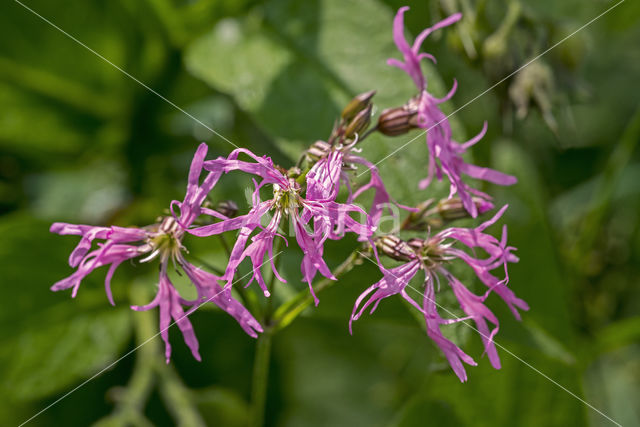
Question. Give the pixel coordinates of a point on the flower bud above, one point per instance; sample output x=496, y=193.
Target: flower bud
x=359, y=123
x=444, y=211
x=399, y=120
x=228, y=208
x=357, y=104
x=395, y=248
x=419, y=219
x=452, y=209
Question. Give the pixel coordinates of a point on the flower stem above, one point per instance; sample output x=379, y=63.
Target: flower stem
x=150, y=370
x=131, y=401
x=224, y=244
x=178, y=398
x=260, y=379
x=367, y=133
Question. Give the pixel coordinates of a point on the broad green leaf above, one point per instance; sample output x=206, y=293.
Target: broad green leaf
x=538, y=277
x=331, y=378
x=87, y=195
x=513, y=395
x=419, y=409
x=48, y=359
x=294, y=68
x=612, y=385
x=223, y=406
x=50, y=341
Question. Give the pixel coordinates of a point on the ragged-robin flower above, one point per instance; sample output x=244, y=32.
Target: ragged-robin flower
x=332, y=167
x=445, y=154
x=330, y=219
x=431, y=256
x=332, y=161
x=162, y=241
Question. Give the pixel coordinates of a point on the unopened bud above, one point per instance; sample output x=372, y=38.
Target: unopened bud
x=359, y=123
x=228, y=208
x=419, y=219
x=444, y=211
x=357, y=104
x=395, y=248
x=452, y=209
x=399, y=120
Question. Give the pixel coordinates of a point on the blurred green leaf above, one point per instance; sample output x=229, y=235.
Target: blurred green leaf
x=540, y=280
x=50, y=341
x=307, y=72
x=618, y=334
x=222, y=406
x=329, y=377
x=513, y=395
x=612, y=384
x=547, y=344
x=420, y=409
x=51, y=358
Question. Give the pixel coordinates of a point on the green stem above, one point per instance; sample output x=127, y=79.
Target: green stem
x=225, y=245
x=260, y=379
x=288, y=311
x=150, y=369
x=367, y=133
x=178, y=398
x=131, y=400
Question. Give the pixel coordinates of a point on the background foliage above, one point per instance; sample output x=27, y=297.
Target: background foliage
x=81, y=142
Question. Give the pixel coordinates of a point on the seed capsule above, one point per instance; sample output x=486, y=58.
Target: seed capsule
x=396, y=248
x=399, y=120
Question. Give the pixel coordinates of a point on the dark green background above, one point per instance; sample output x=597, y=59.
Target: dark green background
x=82, y=142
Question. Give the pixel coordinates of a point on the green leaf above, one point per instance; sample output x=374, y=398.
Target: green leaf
x=45, y=360
x=612, y=385
x=292, y=68
x=513, y=395
x=50, y=340
x=418, y=409
x=531, y=233
x=222, y=406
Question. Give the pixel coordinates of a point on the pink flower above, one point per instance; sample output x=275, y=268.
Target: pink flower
x=163, y=241
x=431, y=256
x=445, y=155
x=325, y=176
x=330, y=219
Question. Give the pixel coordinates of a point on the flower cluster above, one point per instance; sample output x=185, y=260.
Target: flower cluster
x=315, y=201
